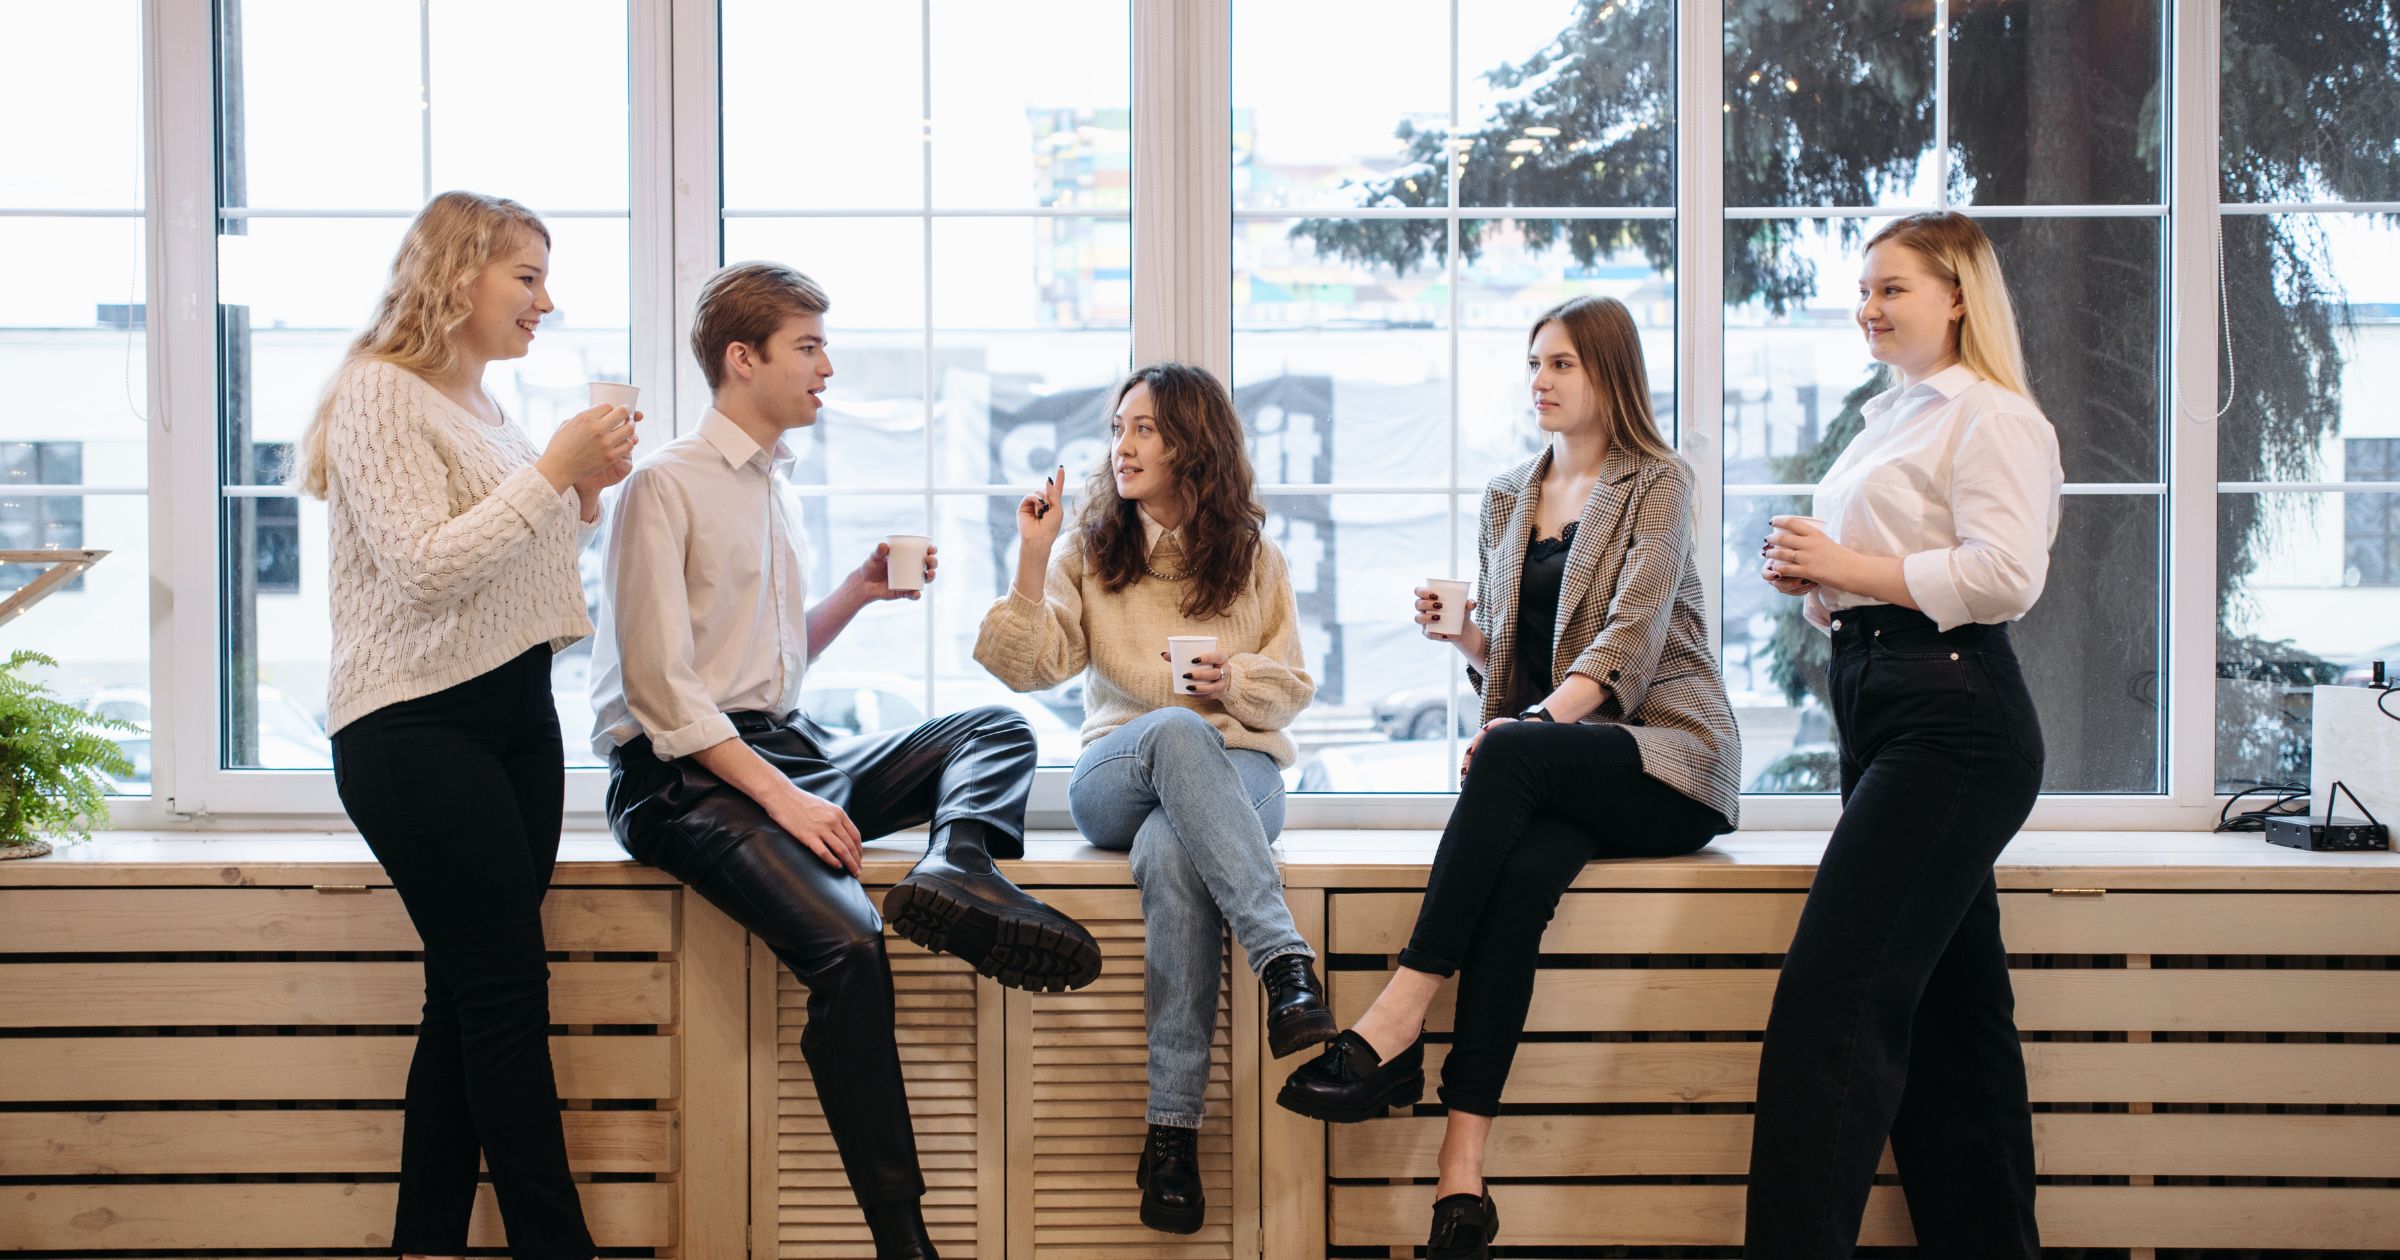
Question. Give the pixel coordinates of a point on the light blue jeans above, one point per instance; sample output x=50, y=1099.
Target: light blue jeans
x=1200, y=819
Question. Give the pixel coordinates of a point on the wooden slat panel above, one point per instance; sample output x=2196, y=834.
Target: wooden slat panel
x=2065, y=1144
x=165, y=1143
x=113, y=1217
x=246, y=1069
x=2088, y=1072
x=1088, y=1091
x=2032, y=923
x=1538, y=1215
x=1598, y=923
x=813, y=1214
x=2201, y=923
x=177, y=994
x=164, y=920
x=1736, y=1000
x=2071, y=1216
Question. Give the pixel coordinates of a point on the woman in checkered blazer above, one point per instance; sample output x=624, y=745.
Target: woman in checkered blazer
x=1606, y=733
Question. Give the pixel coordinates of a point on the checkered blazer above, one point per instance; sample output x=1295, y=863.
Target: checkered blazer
x=1629, y=617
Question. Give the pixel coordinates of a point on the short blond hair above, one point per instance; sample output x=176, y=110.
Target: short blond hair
x=1958, y=252
x=425, y=303
x=743, y=305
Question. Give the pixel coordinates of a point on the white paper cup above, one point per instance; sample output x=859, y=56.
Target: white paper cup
x=1789, y=519
x=908, y=561
x=614, y=394
x=1452, y=619
x=1180, y=651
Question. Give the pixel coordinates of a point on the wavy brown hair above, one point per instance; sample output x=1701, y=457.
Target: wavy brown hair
x=1211, y=466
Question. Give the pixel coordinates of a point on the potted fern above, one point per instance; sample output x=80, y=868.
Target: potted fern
x=55, y=760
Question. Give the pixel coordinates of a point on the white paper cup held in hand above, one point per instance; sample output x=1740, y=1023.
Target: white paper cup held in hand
x=1788, y=521
x=908, y=561
x=1180, y=651
x=614, y=394
x=1452, y=619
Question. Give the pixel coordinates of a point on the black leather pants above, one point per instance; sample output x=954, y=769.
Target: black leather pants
x=972, y=768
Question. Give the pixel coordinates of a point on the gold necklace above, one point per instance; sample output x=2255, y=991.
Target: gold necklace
x=1152, y=570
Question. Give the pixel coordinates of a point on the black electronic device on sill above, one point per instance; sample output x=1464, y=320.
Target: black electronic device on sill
x=2332, y=835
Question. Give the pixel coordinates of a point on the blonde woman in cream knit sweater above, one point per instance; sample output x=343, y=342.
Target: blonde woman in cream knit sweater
x=454, y=578
x=1170, y=541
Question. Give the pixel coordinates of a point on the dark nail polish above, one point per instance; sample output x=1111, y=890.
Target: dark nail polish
x=1187, y=676
x=1195, y=660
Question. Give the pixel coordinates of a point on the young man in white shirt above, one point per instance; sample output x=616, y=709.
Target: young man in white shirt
x=719, y=780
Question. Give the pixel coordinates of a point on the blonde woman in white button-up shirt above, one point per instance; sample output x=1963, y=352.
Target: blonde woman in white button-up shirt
x=1893, y=1015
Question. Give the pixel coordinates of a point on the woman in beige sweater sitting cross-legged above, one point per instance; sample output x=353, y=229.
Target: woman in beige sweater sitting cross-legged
x=1181, y=756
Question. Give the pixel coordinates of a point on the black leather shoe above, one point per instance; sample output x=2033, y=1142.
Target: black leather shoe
x=899, y=1231
x=955, y=902
x=1464, y=1226
x=1296, y=1014
x=1346, y=1085
x=1169, y=1176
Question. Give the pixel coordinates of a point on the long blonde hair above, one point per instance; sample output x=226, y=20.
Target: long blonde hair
x=416, y=323
x=1958, y=252
x=1611, y=349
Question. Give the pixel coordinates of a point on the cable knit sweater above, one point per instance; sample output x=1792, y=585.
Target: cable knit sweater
x=1078, y=625
x=451, y=553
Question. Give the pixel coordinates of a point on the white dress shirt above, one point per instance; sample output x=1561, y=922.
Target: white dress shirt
x=704, y=607
x=1960, y=479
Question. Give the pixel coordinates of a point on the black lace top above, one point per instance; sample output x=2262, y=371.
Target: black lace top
x=1537, y=613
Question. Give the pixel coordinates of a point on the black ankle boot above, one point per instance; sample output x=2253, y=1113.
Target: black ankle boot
x=899, y=1231
x=1296, y=1014
x=955, y=902
x=1464, y=1226
x=1169, y=1176
x=1347, y=1085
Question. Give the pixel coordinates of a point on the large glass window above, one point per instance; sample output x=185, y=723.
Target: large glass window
x=336, y=123
x=2046, y=121
x=74, y=439
x=1393, y=244
x=970, y=206
x=2312, y=324
x=970, y=218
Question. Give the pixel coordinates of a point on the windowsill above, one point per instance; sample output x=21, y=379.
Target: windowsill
x=1314, y=858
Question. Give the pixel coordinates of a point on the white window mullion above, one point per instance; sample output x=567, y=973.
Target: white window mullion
x=697, y=195
x=2192, y=430
x=1183, y=184
x=1700, y=286
x=650, y=47
x=180, y=142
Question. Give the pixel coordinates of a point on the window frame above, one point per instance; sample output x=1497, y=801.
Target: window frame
x=1182, y=230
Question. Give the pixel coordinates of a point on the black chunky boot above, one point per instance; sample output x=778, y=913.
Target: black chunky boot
x=899, y=1231
x=1169, y=1176
x=1296, y=1013
x=1464, y=1226
x=1346, y=1084
x=955, y=902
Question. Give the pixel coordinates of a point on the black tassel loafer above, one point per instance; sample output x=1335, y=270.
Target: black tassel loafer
x=1346, y=1084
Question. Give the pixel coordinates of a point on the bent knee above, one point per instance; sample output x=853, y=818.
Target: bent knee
x=1181, y=728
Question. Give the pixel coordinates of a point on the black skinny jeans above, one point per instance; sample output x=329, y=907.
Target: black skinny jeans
x=971, y=769
x=1893, y=1015
x=1540, y=800
x=459, y=793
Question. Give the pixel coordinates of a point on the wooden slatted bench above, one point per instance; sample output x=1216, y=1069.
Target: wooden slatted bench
x=210, y=1035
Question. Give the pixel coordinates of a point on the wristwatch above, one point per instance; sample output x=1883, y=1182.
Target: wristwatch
x=1535, y=713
